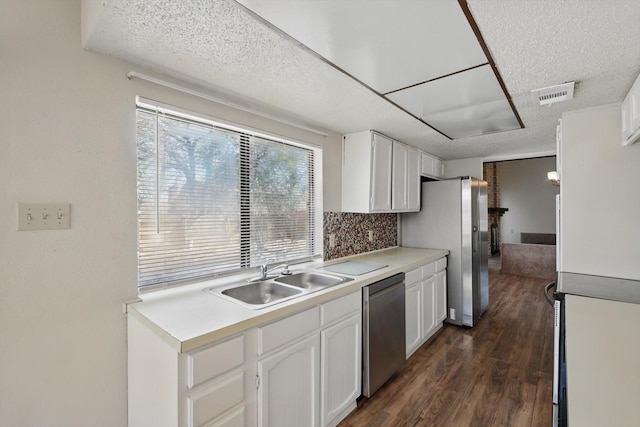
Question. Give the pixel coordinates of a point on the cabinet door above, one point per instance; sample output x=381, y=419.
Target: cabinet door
x=413, y=310
x=431, y=166
x=627, y=130
x=381, y=173
x=341, y=367
x=400, y=177
x=437, y=168
x=413, y=180
x=428, y=306
x=558, y=149
x=441, y=296
x=288, y=393
x=634, y=94
x=427, y=165
x=235, y=418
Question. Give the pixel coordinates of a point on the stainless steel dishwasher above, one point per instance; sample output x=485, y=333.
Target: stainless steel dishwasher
x=383, y=343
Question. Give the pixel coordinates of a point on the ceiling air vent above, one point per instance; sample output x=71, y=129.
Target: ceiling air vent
x=552, y=94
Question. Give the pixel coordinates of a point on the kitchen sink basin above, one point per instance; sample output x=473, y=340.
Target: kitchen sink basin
x=261, y=293
x=264, y=293
x=312, y=280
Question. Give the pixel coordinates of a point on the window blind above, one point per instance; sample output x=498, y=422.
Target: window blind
x=213, y=200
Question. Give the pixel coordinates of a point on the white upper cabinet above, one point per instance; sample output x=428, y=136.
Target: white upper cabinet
x=413, y=180
x=379, y=174
x=631, y=115
x=405, y=191
x=400, y=180
x=366, y=172
x=380, y=188
x=432, y=166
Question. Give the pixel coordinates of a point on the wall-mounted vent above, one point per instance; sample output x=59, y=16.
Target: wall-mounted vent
x=553, y=94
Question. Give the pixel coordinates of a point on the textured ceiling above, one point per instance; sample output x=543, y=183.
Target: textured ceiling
x=218, y=45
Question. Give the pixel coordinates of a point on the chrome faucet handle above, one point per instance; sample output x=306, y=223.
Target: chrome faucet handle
x=264, y=267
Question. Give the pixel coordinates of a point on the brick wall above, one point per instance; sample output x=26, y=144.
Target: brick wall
x=490, y=173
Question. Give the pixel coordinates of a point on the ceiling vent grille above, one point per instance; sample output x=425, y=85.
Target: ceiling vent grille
x=552, y=94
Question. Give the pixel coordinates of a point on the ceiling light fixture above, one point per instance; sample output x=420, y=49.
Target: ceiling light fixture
x=552, y=94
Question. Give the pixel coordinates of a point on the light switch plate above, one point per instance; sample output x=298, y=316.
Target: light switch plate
x=43, y=216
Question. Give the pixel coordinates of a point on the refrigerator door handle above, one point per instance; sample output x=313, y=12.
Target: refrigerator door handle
x=474, y=243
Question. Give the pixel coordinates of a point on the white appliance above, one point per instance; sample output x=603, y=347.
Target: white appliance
x=454, y=217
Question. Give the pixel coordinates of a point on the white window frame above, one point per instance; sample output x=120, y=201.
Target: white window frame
x=317, y=217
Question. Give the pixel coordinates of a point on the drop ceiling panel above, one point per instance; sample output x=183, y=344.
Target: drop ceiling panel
x=475, y=120
x=385, y=48
x=221, y=47
x=461, y=105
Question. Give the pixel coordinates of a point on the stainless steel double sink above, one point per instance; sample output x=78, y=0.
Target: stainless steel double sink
x=264, y=293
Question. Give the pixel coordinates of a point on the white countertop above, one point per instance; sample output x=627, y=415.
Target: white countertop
x=186, y=317
x=609, y=288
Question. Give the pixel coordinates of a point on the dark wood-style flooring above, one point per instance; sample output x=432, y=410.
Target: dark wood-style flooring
x=498, y=373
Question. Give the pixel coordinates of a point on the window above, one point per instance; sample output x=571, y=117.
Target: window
x=215, y=199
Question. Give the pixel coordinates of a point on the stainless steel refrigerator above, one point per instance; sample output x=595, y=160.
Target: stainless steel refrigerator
x=453, y=216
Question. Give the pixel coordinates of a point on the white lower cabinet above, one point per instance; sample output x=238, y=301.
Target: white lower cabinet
x=300, y=370
x=288, y=392
x=413, y=310
x=425, y=303
x=210, y=386
x=341, y=368
x=235, y=418
x=441, y=295
x=209, y=403
x=428, y=307
x=314, y=381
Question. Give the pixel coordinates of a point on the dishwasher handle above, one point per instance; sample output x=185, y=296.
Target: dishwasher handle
x=382, y=285
x=381, y=293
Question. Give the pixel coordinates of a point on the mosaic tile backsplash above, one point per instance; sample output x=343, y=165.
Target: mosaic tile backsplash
x=351, y=232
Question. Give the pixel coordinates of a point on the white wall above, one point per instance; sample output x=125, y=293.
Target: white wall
x=600, y=195
x=530, y=198
x=67, y=135
x=332, y=174
x=464, y=167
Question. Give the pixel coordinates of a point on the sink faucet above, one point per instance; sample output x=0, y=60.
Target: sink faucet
x=264, y=270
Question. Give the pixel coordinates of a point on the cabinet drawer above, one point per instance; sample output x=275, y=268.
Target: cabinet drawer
x=413, y=276
x=428, y=270
x=212, y=361
x=283, y=331
x=215, y=400
x=341, y=307
x=441, y=264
